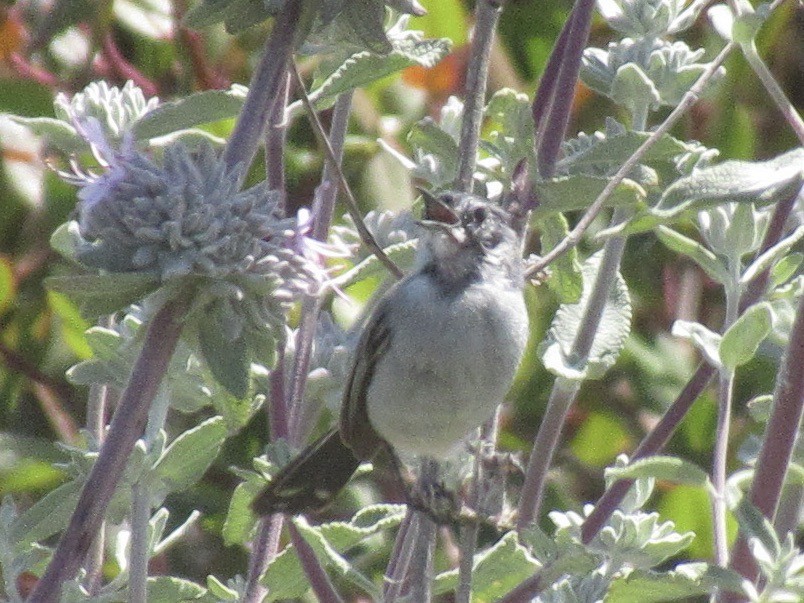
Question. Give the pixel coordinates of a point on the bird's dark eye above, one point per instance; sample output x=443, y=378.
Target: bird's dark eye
x=447, y=199
x=479, y=214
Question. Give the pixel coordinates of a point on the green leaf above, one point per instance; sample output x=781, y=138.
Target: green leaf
x=633, y=89
x=240, y=520
x=613, y=149
x=666, y=468
x=609, y=339
x=332, y=559
x=565, y=279
x=366, y=522
x=188, y=457
x=496, y=571
x=99, y=294
x=754, y=524
x=169, y=589
x=401, y=254
x=427, y=136
x=220, y=590
x=54, y=132
x=189, y=111
x=362, y=68
x=569, y=193
x=227, y=358
x=770, y=257
x=7, y=285
x=684, y=582
x=785, y=269
x=48, y=516
x=367, y=19
x=741, y=341
x=73, y=325
x=763, y=182
x=707, y=342
x=284, y=576
x=707, y=260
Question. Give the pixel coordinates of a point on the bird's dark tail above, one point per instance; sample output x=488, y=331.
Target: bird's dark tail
x=310, y=481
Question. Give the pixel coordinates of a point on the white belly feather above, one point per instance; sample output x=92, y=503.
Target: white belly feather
x=425, y=400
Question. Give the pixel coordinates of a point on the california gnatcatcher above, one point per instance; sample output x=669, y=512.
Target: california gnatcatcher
x=434, y=360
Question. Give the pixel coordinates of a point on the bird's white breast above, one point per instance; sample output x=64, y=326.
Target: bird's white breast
x=449, y=364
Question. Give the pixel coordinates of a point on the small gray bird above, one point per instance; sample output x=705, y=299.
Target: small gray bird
x=434, y=360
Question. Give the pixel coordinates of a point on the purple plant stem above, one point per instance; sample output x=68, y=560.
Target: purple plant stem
x=323, y=211
x=650, y=445
x=319, y=580
x=553, y=125
x=487, y=15
x=275, y=134
x=574, y=237
x=126, y=428
x=264, y=549
x=400, y=558
x=660, y=435
x=777, y=446
x=265, y=87
x=266, y=543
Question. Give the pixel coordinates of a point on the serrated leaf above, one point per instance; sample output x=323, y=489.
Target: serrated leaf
x=188, y=112
x=685, y=581
x=100, y=294
x=613, y=328
x=570, y=193
x=226, y=358
x=707, y=260
x=565, y=279
x=427, y=136
x=762, y=182
x=365, y=67
x=170, y=589
x=332, y=559
x=366, y=522
x=284, y=576
x=496, y=571
x=707, y=342
x=667, y=468
x=614, y=150
x=48, y=516
x=188, y=457
x=741, y=341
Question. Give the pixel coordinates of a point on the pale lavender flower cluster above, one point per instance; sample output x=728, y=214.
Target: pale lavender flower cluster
x=185, y=216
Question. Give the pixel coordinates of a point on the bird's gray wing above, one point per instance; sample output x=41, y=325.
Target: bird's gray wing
x=355, y=427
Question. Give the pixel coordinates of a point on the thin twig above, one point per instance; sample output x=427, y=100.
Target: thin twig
x=574, y=237
x=127, y=426
x=487, y=14
x=51, y=394
x=351, y=202
x=661, y=433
